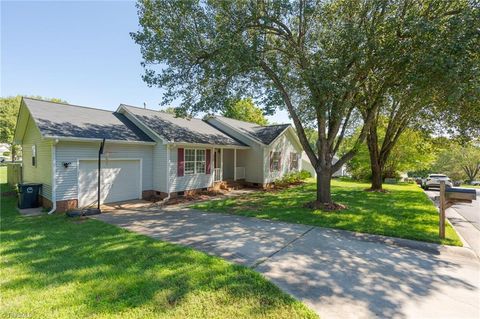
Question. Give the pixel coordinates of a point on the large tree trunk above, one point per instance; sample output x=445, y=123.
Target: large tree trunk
x=377, y=180
x=376, y=163
x=324, y=195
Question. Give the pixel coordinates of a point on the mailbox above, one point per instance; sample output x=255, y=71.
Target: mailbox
x=455, y=194
x=449, y=197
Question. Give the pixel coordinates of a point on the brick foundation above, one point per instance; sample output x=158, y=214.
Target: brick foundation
x=45, y=202
x=152, y=194
x=65, y=205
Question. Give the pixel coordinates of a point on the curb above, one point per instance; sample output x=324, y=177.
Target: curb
x=436, y=249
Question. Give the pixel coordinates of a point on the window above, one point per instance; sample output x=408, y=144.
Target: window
x=293, y=161
x=34, y=155
x=195, y=161
x=275, y=161
x=200, y=164
x=189, y=161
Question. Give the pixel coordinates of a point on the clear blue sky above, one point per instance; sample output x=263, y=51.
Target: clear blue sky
x=78, y=51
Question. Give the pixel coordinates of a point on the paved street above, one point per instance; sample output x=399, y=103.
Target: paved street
x=338, y=274
x=465, y=218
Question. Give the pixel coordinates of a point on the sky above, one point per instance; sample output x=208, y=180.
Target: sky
x=79, y=51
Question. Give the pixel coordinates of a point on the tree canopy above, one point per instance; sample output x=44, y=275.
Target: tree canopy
x=324, y=61
x=9, y=107
x=244, y=110
x=459, y=162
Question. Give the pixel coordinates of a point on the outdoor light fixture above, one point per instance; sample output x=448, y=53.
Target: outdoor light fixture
x=66, y=164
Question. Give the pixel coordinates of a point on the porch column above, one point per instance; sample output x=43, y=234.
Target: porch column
x=234, y=164
x=221, y=164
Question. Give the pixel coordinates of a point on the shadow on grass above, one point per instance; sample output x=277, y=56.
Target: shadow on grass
x=92, y=268
x=404, y=212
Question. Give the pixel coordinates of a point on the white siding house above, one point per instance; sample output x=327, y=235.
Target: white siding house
x=147, y=153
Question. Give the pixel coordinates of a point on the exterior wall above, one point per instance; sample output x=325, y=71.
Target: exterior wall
x=284, y=144
x=228, y=163
x=159, y=169
x=160, y=163
x=42, y=172
x=187, y=182
x=306, y=165
x=67, y=178
x=253, y=157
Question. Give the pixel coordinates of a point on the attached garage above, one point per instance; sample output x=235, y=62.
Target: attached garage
x=121, y=180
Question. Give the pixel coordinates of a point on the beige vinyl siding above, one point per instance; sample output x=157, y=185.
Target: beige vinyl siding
x=253, y=157
x=286, y=145
x=187, y=182
x=71, y=152
x=42, y=172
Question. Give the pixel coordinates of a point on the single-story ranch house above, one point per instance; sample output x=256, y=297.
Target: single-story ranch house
x=147, y=153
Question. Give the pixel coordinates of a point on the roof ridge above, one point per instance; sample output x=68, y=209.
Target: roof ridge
x=163, y=112
x=68, y=104
x=142, y=108
x=256, y=124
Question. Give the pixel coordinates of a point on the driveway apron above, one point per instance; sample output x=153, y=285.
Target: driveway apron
x=336, y=274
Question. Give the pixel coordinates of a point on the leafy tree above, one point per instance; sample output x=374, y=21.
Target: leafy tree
x=459, y=162
x=412, y=152
x=244, y=110
x=321, y=60
x=178, y=112
x=9, y=107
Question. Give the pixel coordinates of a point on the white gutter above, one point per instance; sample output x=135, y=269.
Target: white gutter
x=82, y=139
x=54, y=184
x=167, y=177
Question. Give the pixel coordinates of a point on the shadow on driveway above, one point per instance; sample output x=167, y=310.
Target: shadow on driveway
x=336, y=274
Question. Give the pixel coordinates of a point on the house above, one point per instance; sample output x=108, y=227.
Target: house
x=307, y=166
x=147, y=152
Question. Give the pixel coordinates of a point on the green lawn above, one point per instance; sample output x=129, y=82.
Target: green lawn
x=52, y=266
x=405, y=211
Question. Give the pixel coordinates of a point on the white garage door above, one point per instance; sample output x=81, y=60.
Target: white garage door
x=120, y=181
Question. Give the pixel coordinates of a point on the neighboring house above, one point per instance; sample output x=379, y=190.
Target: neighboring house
x=147, y=153
x=306, y=165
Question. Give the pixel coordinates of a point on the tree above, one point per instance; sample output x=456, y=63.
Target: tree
x=446, y=94
x=8, y=117
x=9, y=107
x=321, y=60
x=244, y=110
x=176, y=111
x=459, y=162
x=412, y=152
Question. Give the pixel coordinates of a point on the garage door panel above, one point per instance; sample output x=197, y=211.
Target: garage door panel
x=120, y=181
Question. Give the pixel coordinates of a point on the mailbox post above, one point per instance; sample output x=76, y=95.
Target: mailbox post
x=449, y=197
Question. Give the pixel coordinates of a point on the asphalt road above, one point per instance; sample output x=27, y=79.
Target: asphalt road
x=471, y=212
x=465, y=218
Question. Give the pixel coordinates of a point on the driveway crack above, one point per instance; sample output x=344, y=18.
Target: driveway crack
x=263, y=259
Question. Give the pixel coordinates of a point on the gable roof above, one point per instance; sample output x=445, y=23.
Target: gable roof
x=181, y=130
x=264, y=134
x=65, y=120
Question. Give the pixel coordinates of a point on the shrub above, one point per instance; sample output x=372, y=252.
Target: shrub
x=292, y=178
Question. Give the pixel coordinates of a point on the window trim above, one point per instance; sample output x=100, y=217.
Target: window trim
x=294, y=158
x=278, y=168
x=34, y=155
x=195, y=161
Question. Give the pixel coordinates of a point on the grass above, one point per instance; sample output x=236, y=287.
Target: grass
x=52, y=266
x=405, y=211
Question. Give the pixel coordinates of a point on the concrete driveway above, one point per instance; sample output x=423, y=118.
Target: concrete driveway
x=338, y=274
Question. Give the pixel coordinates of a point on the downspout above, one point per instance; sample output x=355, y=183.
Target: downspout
x=168, y=176
x=54, y=184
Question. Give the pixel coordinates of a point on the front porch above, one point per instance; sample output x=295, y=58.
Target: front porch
x=229, y=164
